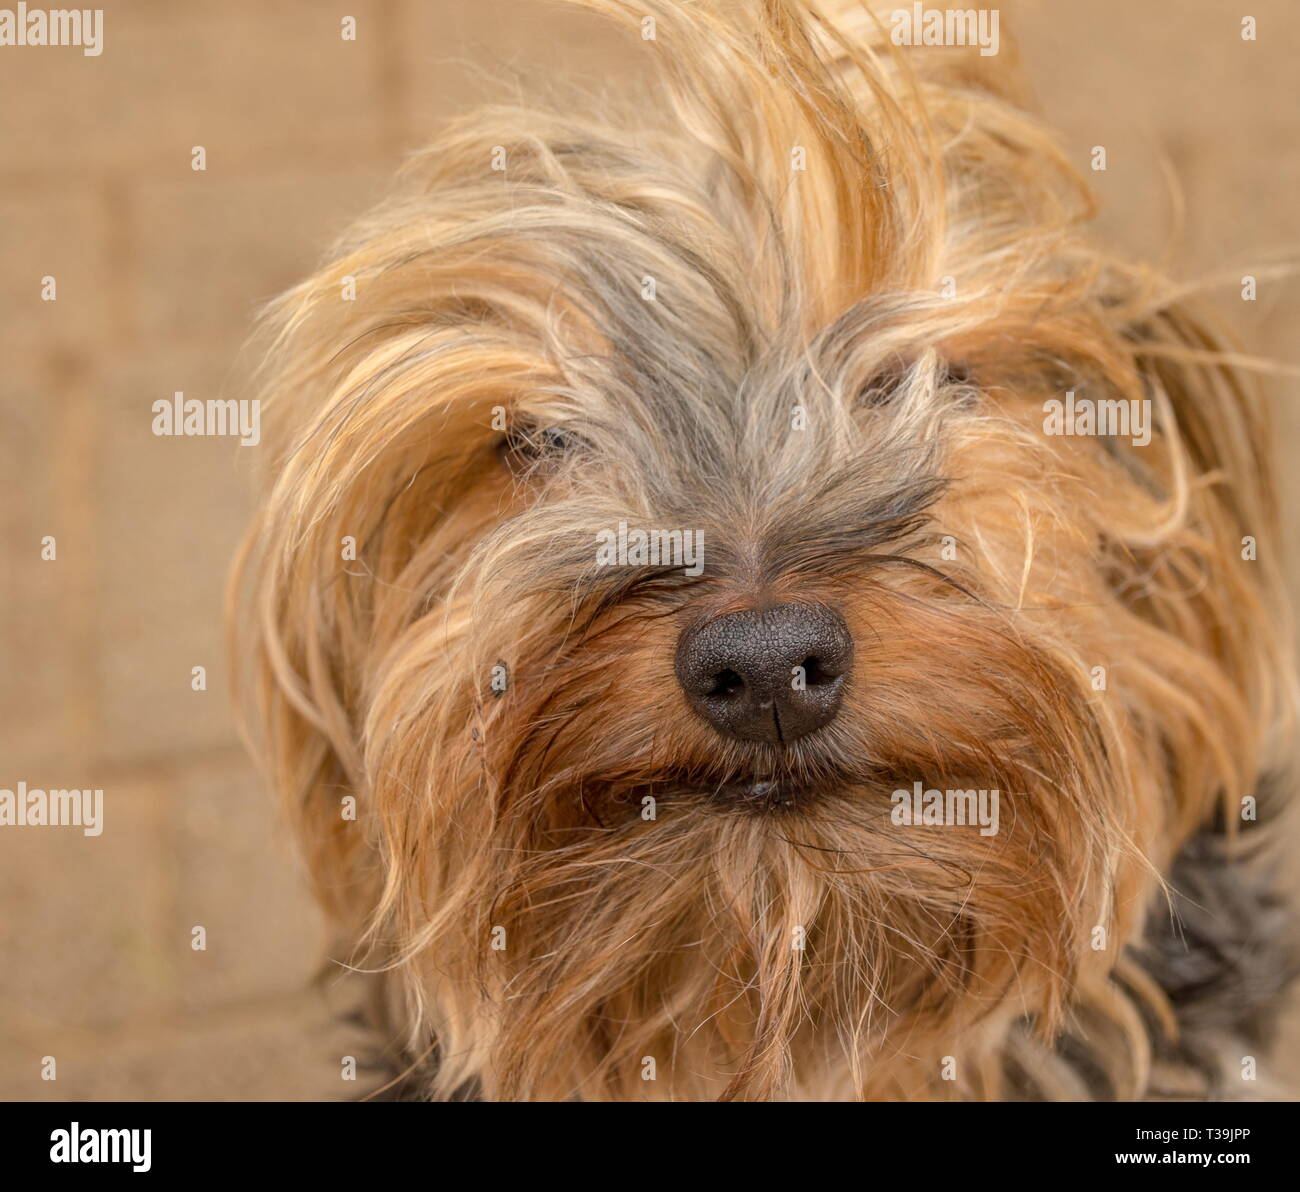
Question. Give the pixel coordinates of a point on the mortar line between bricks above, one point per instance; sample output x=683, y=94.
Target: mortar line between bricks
x=94, y=1041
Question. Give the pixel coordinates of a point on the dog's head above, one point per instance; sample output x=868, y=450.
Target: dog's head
x=660, y=520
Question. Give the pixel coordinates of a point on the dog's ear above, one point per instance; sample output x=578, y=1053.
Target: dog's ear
x=1217, y=406
x=386, y=392
x=1214, y=564
x=1192, y=550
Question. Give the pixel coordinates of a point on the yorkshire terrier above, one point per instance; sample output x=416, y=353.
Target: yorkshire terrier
x=752, y=603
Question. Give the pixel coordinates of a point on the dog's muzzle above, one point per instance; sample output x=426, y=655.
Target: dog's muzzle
x=770, y=675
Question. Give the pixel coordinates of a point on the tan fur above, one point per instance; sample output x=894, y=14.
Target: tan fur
x=672, y=938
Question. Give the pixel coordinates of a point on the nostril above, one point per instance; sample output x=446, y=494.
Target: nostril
x=726, y=683
x=817, y=672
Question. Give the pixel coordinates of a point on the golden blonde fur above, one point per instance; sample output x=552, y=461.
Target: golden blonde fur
x=798, y=199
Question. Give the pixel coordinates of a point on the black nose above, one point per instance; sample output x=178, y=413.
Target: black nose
x=771, y=676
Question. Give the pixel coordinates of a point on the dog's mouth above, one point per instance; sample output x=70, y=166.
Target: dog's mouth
x=767, y=794
x=755, y=792
x=742, y=792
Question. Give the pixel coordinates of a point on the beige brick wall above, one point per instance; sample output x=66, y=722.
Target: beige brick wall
x=159, y=271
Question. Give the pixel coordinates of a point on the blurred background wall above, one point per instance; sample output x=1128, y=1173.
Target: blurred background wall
x=159, y=270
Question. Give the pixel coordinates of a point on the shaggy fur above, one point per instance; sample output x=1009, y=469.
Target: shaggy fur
x=869, y=273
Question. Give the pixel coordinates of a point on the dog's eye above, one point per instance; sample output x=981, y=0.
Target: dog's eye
x=526, y=447
x=555, y=441
x=954, y=378
x=878, y=393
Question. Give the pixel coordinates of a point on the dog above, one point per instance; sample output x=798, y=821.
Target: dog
x=751, y=602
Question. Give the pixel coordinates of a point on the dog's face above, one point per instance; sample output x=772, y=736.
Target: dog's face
x=691, y=776
x=626, y=812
